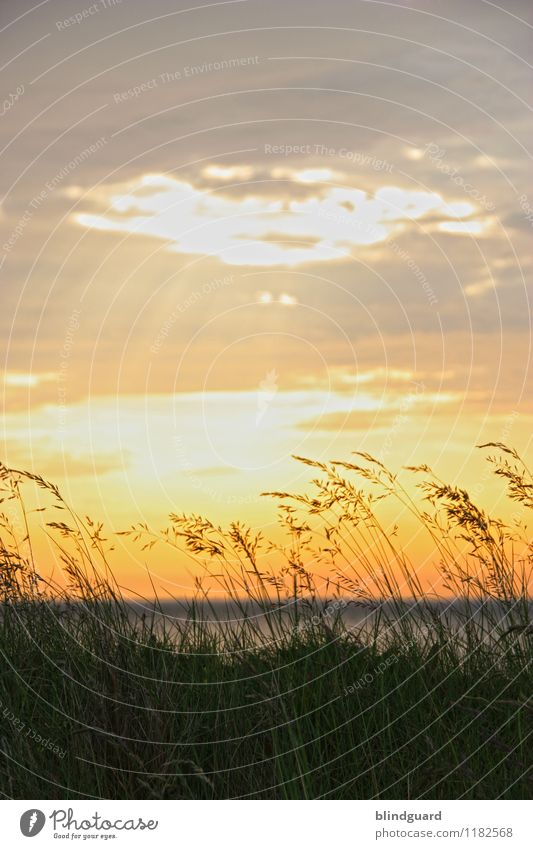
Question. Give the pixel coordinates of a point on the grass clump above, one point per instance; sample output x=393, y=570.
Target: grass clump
x=333, y=675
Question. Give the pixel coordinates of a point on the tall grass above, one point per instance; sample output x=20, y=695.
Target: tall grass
x=329, y=670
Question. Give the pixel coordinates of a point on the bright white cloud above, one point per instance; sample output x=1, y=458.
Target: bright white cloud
x=306, y=175
x=228, y=172
x=257, y=230
x=20, y=380
x=467, y=228
x=268, y=298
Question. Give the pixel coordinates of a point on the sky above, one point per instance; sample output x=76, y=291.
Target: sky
x=233, y=232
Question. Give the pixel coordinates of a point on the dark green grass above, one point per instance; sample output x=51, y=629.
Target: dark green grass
x=319, y=715
x=98, y=700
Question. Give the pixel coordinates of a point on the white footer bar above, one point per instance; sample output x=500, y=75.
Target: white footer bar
x=267, y=824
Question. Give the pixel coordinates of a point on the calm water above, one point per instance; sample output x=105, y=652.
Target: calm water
x=492, y=618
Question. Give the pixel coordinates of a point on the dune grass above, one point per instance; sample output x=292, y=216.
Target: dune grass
x=278, y=692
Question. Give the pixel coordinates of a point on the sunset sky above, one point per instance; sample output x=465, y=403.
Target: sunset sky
x=237, y=231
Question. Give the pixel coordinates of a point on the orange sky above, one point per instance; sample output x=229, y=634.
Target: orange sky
x=235, y=233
